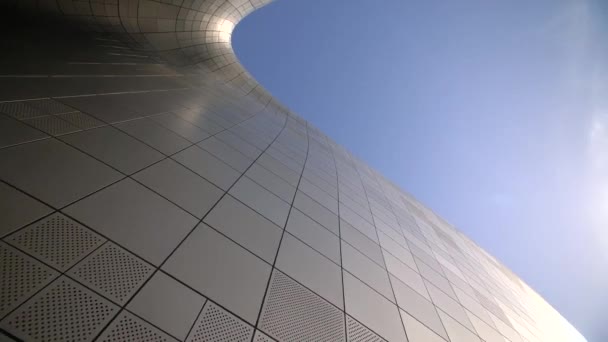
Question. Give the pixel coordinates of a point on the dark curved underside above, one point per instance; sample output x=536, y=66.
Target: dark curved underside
x=194, y=37
x=151, y=189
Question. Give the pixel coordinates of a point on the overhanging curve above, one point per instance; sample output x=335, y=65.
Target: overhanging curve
x=184, y=33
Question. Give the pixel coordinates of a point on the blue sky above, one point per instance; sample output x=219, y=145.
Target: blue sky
x=493, y=113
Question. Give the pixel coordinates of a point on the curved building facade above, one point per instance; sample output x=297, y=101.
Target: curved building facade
x=152, y=190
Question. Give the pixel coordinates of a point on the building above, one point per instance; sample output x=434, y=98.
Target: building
x=152, y=190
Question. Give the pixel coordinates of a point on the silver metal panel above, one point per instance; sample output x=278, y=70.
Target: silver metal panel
x=217, y=325
x=293, y=313
x=222, y=270
x=54, y=172
x=181, y=186
x=168, y=305
x=57, y=240
x=113, y=272
x=136, y=218
x=20, y=277
x=18, y=209
x=114, y=148
x=128, y=327
x=357, y=332
x=246, y=227
x=372, y=309
x=311, y=269
x=62, y=311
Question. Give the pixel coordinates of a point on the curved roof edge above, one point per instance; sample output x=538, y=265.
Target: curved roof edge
x=185, y=33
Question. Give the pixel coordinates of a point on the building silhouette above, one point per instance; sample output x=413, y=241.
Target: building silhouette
x=152, y=190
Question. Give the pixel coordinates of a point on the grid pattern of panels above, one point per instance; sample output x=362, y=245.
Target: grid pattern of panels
x=127, y=327
x=143, y=175
x=57, y=240
x=261, y=337
x=358, y=333
x=294, y=313
x=64, y=311
x=215, y=324
x=20, y=276
x=113, y=272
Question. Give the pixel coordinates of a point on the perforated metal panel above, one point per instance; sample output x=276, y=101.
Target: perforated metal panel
x=358, y=333
x=20, y=277
x=56, y=240
x=113, y=272
x=216, y=324
x=52, y=125
x=50, y=106
x=293, y=313
x=81, y=120
x=20, y=110
x=260, y=337
x=127, y=327
x=64, y=311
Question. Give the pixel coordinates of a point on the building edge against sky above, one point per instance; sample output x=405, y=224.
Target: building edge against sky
x=155, y=70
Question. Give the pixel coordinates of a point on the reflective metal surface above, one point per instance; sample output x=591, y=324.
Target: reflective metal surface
x=150, y=189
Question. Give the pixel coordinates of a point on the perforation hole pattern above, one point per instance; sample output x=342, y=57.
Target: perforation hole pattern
x=64, y=311
x=359, y=333
x=81, y=120
x=112, y=271
x=56, y=240
x=216, y=324
x=50, y=106
x=130, y=328
x=293, y=313
x=260, y=337
x=52, y=125
x=20, y=110
x=20, y=276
